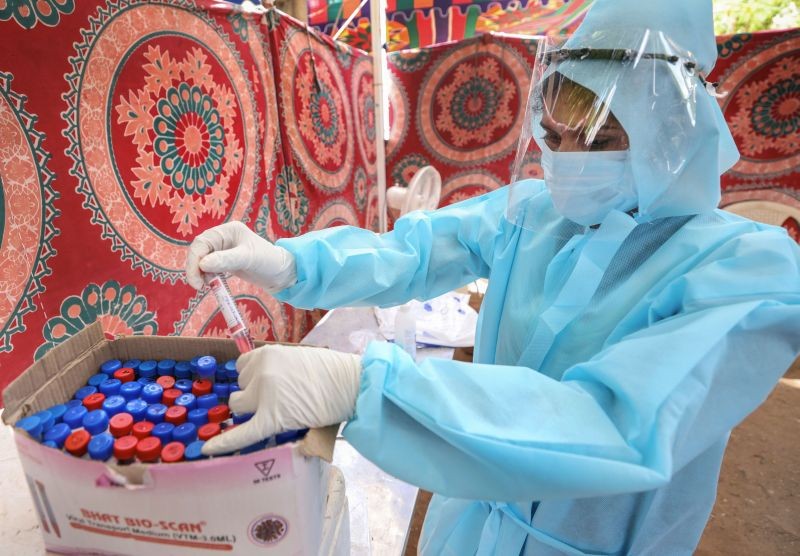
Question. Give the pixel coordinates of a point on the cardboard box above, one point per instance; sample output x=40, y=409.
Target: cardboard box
x=267, y=502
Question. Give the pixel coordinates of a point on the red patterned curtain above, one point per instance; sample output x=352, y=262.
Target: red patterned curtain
x=460, y=108
x=760, y=73
x=127, y=127
x=327, y=127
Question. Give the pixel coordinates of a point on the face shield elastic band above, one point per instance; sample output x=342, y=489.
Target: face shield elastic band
x=629, y=56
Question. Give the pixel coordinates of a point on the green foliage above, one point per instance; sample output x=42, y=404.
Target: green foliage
x=744, y=16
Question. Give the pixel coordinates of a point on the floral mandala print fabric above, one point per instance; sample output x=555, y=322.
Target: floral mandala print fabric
x=160, y=120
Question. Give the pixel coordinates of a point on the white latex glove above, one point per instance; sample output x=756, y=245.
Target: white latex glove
x=234, y=248
x=289, y=388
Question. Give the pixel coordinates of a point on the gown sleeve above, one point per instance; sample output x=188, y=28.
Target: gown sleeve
x=719, y=338
x=426, y=254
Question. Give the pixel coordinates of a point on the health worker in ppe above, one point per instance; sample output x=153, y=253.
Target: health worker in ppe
x=628, y=325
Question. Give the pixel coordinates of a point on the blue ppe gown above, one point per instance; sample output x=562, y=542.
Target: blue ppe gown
x=605, y=380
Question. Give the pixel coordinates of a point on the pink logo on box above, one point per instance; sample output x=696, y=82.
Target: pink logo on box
x=268, y=530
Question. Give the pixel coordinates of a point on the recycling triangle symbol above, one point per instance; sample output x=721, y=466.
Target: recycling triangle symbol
x=264, y=467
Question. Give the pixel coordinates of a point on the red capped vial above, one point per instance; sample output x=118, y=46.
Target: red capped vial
x=219, y=413
x=176, y=415
x=125, y=448
x=142, y=429
x=125, y=374
x=148, y=449
x=94, y=401
x=172, y=452
x=209, y=430
x=121, y=424
x=78, y=442
x=201, y=387
x=166, y=383
x=170, y=395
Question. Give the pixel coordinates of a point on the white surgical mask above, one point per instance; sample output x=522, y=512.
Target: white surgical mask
x=586, y=186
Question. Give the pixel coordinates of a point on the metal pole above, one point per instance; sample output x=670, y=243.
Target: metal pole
x=377, y=18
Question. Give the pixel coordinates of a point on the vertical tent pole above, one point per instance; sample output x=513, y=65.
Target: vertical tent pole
x=377, y=13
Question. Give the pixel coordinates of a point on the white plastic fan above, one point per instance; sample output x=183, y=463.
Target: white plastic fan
x=422, y=193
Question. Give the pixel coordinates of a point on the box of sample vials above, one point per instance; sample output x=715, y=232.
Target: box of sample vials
x=268, y=501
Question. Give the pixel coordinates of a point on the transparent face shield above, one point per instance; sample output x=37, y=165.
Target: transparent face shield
x=606, y=127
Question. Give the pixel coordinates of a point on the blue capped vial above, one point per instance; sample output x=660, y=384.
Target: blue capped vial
x=155, y=413
x=230, y=369
x=254, y=447
x=220, y=376
x=132, y=364
x=194, y=451
x=32, y=425
x=206, y=366
x=148, y=369
x=183, y=370
x=58, y=411
x=95, y=421
x=136, y=408
x=110, y=387
x=163, y=431
x=221, y=390
x=74, y=416
x=185, y=433
x=198, y=416
x=207, y=401
x=48, y=420
x=111, y=366
x=152, y=393
x=73, y=402
x=84, y=391
x=143, y=380
x=238, y=419
x=114, y=404
x=97, y=380
x=184, y=385
x=166, y=367
x=101, y=446
x=58, y=434
x=130, y=390
x=187, y=400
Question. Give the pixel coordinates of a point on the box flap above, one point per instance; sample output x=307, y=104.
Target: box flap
x=43, y=384
x=320, y=443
